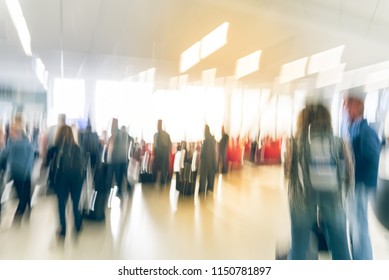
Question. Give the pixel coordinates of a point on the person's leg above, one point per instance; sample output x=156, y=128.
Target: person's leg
x=62, y=197
x=125, y=166
x=123, y=174
x=19, y=187
x=27, y=191
x=75, y=193
x=2, y=186
x=211, y=180
x=194, y=177
x=27, y=196
x=203, y=179
x=334, y=226
x=225, y=163
x=302, y=219
x=164, y=169
x=359, y=229
x=118, y=177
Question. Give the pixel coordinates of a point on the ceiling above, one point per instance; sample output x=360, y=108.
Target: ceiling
x=115, y=39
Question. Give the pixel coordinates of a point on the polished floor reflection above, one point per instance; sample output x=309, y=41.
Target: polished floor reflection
x=246, y=217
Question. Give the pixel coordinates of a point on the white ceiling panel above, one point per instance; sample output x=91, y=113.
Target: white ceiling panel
x=120, y=38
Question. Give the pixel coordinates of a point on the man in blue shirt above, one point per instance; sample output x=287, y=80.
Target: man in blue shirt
x=366, y=149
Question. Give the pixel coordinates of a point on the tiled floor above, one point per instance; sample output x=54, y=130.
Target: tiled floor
x=246, y=217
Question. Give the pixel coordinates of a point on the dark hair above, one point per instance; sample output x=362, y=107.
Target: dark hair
x=65, y=136
x=320, y=119
x=314, y=118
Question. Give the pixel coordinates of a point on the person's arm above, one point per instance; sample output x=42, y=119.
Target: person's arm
x=3, y=158
x=370, y=145
x=50, y=155
x=348, y=172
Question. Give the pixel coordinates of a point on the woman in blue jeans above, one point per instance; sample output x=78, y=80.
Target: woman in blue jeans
x=307, y=204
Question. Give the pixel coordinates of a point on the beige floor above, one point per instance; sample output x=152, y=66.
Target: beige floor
x=246, y=217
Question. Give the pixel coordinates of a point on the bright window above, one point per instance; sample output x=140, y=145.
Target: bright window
x=69, y=98
x=126, y=101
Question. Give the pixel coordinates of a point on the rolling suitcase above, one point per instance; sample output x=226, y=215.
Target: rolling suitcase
x=98, y=202
x=188, y=181
x=146, y=168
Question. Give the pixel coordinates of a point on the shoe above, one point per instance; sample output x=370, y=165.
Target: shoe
x=17, y=218
x=61, y=233
x=78, y=229
x=27, y=214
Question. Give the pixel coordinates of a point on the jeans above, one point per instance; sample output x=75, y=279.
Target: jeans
x=359, y=228
x=332, y=219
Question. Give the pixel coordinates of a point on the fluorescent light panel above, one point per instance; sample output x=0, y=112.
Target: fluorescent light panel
x=214, y=40
x=377, y=80
x=330, y=76
x=190, y=57
x=325, y=60
x=248, y=64
x=293, y=70
x=40, y=72
x=20, y=24
x=205, y=47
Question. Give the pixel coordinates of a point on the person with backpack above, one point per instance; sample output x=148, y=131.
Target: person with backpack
x=366, y=149
x=66, y=162
x=320, y=179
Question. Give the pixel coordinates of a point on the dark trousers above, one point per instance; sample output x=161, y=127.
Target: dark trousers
x=207, y=177
x=161, y=163
x=120, y=170
x=63, y=189
x=223, y=164
x=23, y=190
x=2, y=186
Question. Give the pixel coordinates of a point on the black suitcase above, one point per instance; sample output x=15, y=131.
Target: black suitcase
x=146, y=168
x=189, y=188
x=97, y=207
x=102, y=180
x=189, y=180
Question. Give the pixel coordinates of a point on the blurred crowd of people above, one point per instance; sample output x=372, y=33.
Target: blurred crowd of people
x=69, y=156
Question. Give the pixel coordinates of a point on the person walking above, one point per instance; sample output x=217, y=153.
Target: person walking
x=366, y=149
x=66, y=161
x=318, y=185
